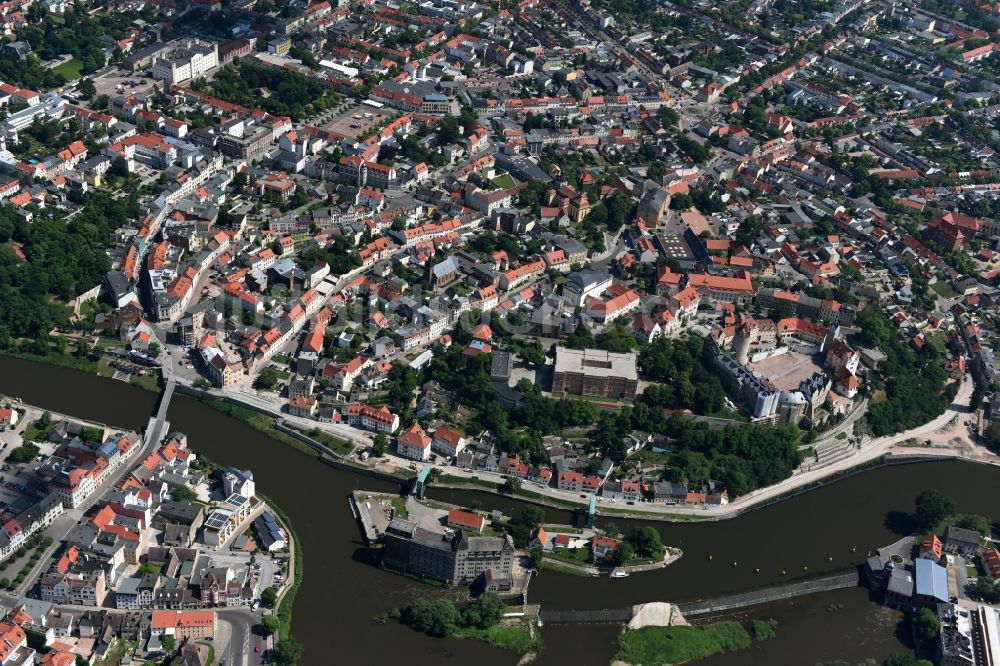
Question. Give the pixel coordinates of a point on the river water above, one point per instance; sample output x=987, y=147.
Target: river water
x=829, y=529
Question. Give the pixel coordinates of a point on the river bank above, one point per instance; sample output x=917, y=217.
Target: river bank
x=843, y=520
x=877, y=453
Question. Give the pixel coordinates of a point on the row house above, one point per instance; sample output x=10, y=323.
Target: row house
x=78, y=588
x=577, y=482
x=518, y=276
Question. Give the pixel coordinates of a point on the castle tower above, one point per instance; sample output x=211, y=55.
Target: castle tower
x=741, y=343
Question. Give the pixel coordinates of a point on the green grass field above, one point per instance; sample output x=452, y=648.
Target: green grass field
x=658, y=646
x=514, y=636
x=71, y=69
x=504, y=181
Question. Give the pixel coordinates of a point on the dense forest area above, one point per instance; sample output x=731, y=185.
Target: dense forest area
x=65, y=257
x=913, y=382
x=288, y=93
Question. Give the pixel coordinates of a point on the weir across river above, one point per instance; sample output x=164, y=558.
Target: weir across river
x=712, y=606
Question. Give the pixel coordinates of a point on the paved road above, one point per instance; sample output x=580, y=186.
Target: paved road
x=270, y=405
x=240, y=650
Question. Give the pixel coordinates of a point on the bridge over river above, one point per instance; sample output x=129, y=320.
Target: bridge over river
x=714, y=606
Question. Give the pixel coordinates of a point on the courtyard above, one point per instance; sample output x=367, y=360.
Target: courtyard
x=786, y=371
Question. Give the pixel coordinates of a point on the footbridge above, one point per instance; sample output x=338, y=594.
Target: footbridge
x=157, y=422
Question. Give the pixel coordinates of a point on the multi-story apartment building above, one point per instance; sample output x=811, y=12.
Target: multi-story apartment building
x=189, y=61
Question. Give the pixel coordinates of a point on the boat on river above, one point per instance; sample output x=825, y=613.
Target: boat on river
x=618, y=573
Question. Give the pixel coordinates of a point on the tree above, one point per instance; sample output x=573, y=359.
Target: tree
x=980, y=524
x=24, y=453
x=646, y=541
x=987, y=590
x=780, y=309
x=184, y=494
x=485, y=611
x=288, y=652
x=267, y=379
x=532, y=517
x=87, y=88
x=509, y=487
x=531, y=352
x=926, y=622
x=904, y=660
x=269, y=596
x=154, y=349
x=437, y=617
x=271, y=623
x=119, y=167
x=681, y=201
x=932, y=506
x=202, y=383
x=168, y=643
x=622, y=554
x=581, y=338
x=536, y=556
x=380, y=444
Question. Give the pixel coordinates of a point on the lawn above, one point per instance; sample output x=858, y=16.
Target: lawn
x=653, y=646
x=71, y=69
x=515, y=636
x=341, y=446
x=944, y=289
x=32, y=433
x=399, y=504
x=259, y=422
x=150, y=381
x=548, y=565
x=646, y=457
x=504, y=181
x=571, y=555
x=448, y=479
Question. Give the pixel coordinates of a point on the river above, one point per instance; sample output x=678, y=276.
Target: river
x=342, y=591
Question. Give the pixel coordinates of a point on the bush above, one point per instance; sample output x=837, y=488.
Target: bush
x=764, y=629
x=926, y=622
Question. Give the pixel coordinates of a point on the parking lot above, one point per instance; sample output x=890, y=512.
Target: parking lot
x=358, y=119
x=108, y=83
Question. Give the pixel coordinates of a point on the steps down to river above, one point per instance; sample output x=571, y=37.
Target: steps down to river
x=828, y=454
